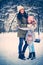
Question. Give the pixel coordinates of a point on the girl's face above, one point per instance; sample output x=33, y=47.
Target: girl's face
x=29, y=38
x=22, y=11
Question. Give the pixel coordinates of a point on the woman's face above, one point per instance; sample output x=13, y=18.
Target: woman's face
x=30, y=19
x=22, y=11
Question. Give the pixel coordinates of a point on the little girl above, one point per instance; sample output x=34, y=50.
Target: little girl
x=30, y=36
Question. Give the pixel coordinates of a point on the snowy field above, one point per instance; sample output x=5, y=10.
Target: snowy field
x=9, y=50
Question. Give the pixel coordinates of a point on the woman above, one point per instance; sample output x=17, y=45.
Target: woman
x=22, y=22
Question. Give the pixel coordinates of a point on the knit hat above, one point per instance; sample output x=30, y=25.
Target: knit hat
x=19, y=8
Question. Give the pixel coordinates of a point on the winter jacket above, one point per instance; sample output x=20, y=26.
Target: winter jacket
x=22, y=22
x=31, y=32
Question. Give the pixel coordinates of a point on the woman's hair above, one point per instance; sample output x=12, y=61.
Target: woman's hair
x=20, y=15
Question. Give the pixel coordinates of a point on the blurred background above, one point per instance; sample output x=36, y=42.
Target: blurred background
x=8, y=31
x=8, y=13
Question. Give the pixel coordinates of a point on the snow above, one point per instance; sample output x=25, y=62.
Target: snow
x=9, y=50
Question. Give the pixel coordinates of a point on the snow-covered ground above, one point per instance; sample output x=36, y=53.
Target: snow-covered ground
x=9, y=50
